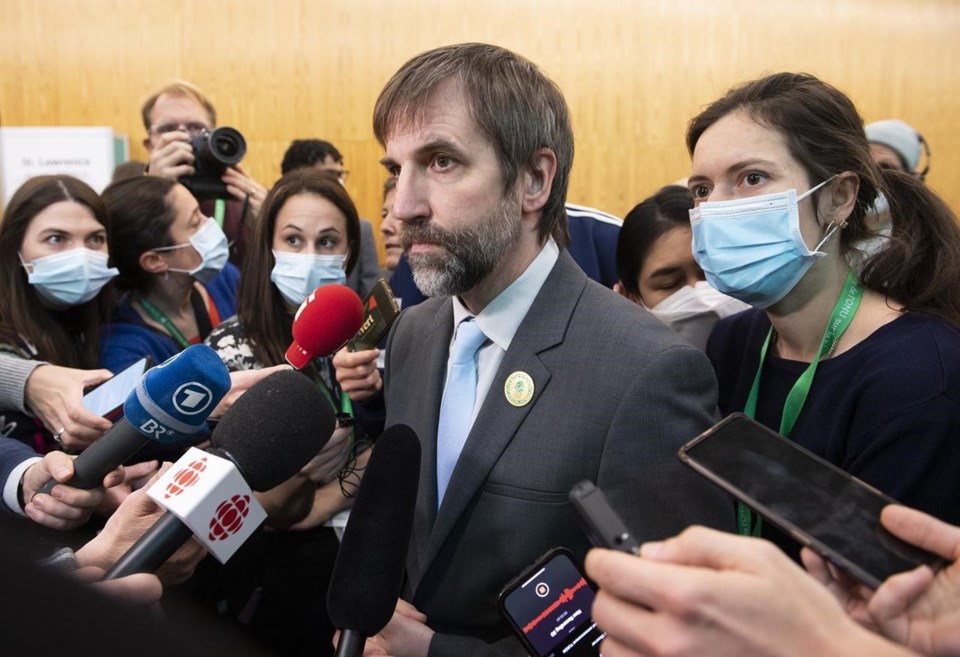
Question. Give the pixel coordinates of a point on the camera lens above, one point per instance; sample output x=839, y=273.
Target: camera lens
x=227, y=146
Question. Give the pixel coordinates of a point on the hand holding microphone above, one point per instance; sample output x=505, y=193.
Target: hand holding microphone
x=169, y=405
x=264, y=439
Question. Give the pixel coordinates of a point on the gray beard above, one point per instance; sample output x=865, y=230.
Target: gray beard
x=470, y=253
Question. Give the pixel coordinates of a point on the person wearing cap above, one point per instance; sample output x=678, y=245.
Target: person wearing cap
x=894, y=144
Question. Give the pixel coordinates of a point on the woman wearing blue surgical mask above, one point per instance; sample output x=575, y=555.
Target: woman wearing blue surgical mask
x=54, y=265
x=307, y=236
x=657, y=270
x=173, y=267
x=860, y=367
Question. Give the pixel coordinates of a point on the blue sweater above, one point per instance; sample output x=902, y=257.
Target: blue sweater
x=886, y=411
x=128, y=339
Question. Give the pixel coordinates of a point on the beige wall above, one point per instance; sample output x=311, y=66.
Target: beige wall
x=633, y=71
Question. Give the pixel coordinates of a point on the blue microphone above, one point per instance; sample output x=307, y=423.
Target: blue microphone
x=170, y=406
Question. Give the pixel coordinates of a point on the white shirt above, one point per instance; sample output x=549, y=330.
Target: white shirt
x=501, y=318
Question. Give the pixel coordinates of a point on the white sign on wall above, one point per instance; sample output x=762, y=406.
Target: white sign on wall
x=25, y=152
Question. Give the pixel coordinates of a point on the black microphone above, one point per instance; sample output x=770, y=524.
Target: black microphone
x=169, y=405
x=368, y=574
x=269, y=433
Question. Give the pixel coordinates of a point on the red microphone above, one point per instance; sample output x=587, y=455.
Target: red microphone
x=325, y=321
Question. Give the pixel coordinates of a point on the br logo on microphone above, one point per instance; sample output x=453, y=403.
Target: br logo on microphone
x=192, y=398
x=229, y=516
x=186, y=477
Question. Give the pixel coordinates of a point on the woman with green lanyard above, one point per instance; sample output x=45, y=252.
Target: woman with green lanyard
x=308, y=235
x=173, y=266
x=863, y=370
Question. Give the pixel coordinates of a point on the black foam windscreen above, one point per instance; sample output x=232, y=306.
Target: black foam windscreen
x=369, y=570
x=274, y=429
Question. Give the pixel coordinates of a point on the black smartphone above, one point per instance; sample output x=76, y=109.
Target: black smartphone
x=548, y=607
x=820, y=505
x=602, y=525
x=106, y=399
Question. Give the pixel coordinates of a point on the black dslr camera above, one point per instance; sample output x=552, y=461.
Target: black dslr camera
x=214, y=151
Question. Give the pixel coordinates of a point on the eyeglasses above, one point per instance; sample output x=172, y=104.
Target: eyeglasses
x=192, y=129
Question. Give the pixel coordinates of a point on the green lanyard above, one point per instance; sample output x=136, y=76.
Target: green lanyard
x=840, y=318
x=158, y=316
x=219, y=211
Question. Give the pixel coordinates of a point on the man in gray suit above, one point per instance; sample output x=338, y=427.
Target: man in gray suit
x=569, y=381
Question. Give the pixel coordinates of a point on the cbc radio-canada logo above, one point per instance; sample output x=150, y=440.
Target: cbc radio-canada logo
x=192, y=398
x=228, y=518
x=186, y=477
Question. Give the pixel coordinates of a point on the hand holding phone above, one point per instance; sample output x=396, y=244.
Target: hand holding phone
x=818, y=504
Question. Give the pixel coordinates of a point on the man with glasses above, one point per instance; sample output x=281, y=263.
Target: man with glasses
x=172, y=117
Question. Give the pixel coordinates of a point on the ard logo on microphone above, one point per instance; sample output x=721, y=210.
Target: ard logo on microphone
x=186, y=477
x=192, y=398
x=229, y=516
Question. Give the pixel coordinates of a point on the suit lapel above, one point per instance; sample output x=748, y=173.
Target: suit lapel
x=434, y=370
x=498, y=420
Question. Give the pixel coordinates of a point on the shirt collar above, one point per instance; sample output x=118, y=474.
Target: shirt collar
x=501, y=318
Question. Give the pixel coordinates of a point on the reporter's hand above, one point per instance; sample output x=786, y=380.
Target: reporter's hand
x=406, y=635
x=55, y=395
x=136, y=515
x=240, y=382
x=141, y=589
x=135, y=476
x=172, y=156
x=65, y=507
x=710, y=593
x=241, y=184
x=919, y=608
x=327, y=464
x=357, y=373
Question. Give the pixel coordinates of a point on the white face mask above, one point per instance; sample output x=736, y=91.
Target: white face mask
x=70, y=278
x=296, y=275
x=211, y=243
x=693, y=311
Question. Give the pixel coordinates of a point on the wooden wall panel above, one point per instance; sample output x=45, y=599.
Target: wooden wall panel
x=633, y=71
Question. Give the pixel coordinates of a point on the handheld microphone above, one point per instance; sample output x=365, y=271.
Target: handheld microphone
x=170, y=405
x=325, y=321
x=368, y=574
x=268, y=434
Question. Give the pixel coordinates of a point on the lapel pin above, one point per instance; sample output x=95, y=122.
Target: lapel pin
x=518, y=389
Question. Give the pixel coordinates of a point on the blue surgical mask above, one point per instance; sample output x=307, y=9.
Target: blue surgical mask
x=751, y=249
x=70, y=278
x=296, y=275
x=211, y=243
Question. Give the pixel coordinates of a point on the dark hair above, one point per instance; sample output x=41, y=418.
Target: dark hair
x=642, y=227
x=142, y=215
x=920, y=266
x=260, y=306
x=513, y=104
x=21, y=313
x=304, y=153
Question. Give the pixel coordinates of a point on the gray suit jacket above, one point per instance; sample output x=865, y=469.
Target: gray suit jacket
x=367, y=270
x=616, y=393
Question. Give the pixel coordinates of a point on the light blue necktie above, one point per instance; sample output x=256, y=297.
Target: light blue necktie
x=459, y=397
